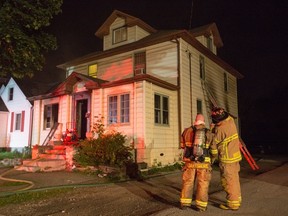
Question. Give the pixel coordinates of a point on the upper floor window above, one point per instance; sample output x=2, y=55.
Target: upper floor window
x=202, y=67
x=161, y=109
x=50, y=115
x=209, y=43
x=225, y=82
x=119, y=35
x=10, y=94
x=140, y=63
x=199, y=106
x=92, y=70
x=119, y=108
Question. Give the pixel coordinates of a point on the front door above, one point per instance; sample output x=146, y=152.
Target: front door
x=81, y=117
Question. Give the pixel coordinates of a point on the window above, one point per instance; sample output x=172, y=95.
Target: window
x=119, y=35
x=139, y=63
x=199, y=106
x=18, y=121
x=202, y=67
x=209, y=43
x=225, y=82
x=121, y=114
x=92, y=70
x=11, y=94
x=50, y=115
x=124, y=107
x=161, y=109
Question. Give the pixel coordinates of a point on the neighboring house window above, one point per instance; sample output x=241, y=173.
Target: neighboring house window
x=225, y=82
x=50, y=115
x=209, y=43
x=92, y=70
x=161, y=109
x=119, y=35
x=199, y=106
x=11, y=94
x=140, y=63
x=17, y=121
x=119, y=109
x=202, y=67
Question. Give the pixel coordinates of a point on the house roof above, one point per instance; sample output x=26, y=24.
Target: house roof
x=157, y=37
x=3, y=107
x=208, y=30
x=129, y=21
x=66, y=87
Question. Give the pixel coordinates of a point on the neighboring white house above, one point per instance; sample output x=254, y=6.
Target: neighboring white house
x=4, y=113
x=148, y=83
x=18, y=124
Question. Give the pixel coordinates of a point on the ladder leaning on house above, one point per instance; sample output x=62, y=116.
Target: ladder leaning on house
x=51, y=134
x=210, y=102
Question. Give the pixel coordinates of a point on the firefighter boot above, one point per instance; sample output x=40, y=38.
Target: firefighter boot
x=226, y=207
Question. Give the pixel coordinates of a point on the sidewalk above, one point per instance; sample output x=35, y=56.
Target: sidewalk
x=63, y=178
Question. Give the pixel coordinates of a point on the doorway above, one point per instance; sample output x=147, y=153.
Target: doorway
x=81, y=118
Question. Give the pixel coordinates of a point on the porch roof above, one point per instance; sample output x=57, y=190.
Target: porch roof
x=66, y=87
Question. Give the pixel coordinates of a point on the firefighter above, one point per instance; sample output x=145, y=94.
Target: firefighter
x=195, y=141
x=225, y=147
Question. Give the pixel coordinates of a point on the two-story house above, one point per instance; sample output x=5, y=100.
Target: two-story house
x=148, y=83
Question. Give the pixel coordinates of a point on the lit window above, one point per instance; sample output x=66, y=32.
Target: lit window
x=50, y=115
x=199, y=106
x=115, y=114
x=119, y=35
x=92, y=70
x=11, y=94
x=18, y=121
x=140, y=63
x=225, y=82
x=161, y=109
x=202, y=67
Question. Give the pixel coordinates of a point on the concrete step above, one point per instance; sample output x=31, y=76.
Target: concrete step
x=45, y=165
x=53, y=156
x=55, y=151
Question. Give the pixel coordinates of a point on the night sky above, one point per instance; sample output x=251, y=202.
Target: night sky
x=255, y=37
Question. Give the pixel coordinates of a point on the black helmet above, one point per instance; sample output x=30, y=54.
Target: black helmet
x=218, y=115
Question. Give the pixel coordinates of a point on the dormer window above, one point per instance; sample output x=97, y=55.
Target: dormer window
x=119, y=35
x=92, y=70
x=139, y=63
x=10, y=94
x=209, y=43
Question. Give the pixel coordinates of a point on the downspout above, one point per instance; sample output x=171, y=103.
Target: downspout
x=190, y=83
x=178, y=92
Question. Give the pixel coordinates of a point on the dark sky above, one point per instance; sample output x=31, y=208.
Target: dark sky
x=254, y=33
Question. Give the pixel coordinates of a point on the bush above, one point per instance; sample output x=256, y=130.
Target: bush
x=107, y=149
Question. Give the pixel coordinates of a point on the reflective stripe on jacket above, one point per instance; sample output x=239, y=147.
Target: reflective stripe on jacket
x=226, y=142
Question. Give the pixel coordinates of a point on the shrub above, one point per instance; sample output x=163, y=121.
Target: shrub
x=107, y=149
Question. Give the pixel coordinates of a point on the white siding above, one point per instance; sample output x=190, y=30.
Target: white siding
x=161, y=142
x=161, y=61
x=214, y=79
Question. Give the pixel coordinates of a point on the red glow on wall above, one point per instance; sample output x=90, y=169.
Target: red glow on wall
x=119, y=70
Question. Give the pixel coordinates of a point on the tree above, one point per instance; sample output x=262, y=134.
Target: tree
x=23, y=41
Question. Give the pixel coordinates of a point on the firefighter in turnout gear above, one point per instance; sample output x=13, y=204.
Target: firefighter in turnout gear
x=195, y=141
x=225, y=146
